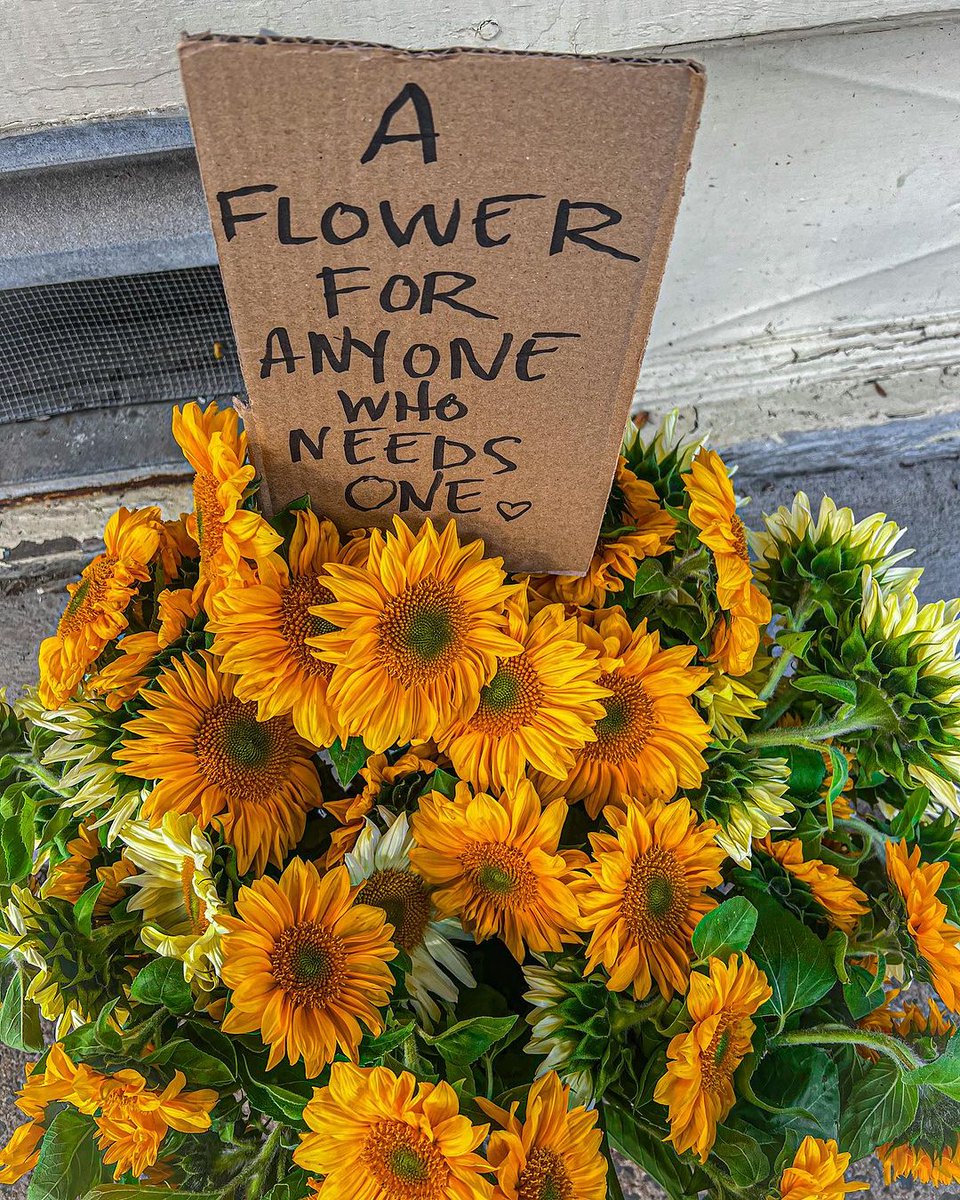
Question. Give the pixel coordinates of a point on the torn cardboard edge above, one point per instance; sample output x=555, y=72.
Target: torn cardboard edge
x=274, y=39
x=272, y=406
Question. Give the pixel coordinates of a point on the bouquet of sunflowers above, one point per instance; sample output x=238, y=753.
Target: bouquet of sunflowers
x=353, y=866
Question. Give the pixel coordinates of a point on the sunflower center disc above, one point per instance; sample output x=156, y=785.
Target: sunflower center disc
x=248, y=742
x=544, y=1177
x=429, y=633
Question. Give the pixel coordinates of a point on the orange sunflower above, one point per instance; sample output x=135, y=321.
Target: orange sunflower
x=841, y=899
x=375, y=1135
x=212, y=757
x=538, y=709
x=70, y=878
x=698, y=1086
x=132, y=1119
x=553, y=1152
x=120, y=680
x=642, y=529
x=96, y=610
x=817, y=1172
x=228, y=535
x=650, y=740
x=713, y=510
x=262, y=630
x=644, y=892
x=306, y=965
x=418, y=633
x=495, y=864
x=937, y=941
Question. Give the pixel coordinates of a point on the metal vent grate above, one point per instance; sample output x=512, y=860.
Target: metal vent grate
x=94, y=343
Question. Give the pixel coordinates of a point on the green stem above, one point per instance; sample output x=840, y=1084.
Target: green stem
x=257, y=1173
x=806, y=735
x=411, y=1059
x=874, y=836
x=778, y=672
x=51, y=782
x=821, y=1035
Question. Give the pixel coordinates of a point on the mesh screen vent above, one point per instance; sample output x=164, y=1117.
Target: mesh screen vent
x=94, y=343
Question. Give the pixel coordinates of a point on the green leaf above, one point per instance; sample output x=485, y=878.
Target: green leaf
x=741, y=1154
x=373, y=1049
x=836, y=944
x=803, y=1082
x=725, y=929
x=138, y=1191
x=17, y=842
x=273, y=1099
x=443, y=782
x=844, y=690
x=678, y=1178
x=840, y=773
x=807, y=771
x=199, y=1067
x=347, y=760
x=944, y=1072
x=83, y=909
x=466, y=1041
x=880, y=1106
x=69, y=1163
x=794, y=960
x=650, y=579
x=863, y=991
x=20, y=1018
x=161, y=983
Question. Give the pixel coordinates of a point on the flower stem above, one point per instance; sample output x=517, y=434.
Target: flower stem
x=821, y=1035
x=805, y=735
x=257, y=1173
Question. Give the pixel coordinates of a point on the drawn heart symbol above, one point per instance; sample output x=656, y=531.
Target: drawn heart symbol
x=510, y=510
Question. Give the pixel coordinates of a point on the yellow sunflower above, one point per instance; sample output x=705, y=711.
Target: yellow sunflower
x=121, y=679
x=841, y=899
x=211, y=757
x=495, y=864
x=172, y=887
x=56, y=1082
x=176, y=544
x=644, y=529
x=306, y=965
x=262, y=630
x=132, y=1119
x=937, y=941
x=229, y=537
x=96, y=610
x=713, y=510
x=380, y=776
x=70, y=878
x=644, y=892
x=817, y=1172
x=21, y=1153
x=419, y=631
x=375, y=1135
x=538, y=709
x=650, y=740
x=553, y=1152
x=698, y=1086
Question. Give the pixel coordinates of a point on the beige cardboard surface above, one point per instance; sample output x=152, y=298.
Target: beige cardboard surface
x=441, y=269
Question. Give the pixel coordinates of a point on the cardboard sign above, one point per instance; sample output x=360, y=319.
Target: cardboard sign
x=441, y=268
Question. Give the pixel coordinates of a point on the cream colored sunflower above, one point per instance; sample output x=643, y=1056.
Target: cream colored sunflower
x=380, y=862
x=176, y=894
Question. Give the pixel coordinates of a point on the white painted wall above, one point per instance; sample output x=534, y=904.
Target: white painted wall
x=817, y=253
x=61, y=59
x=815, y=274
